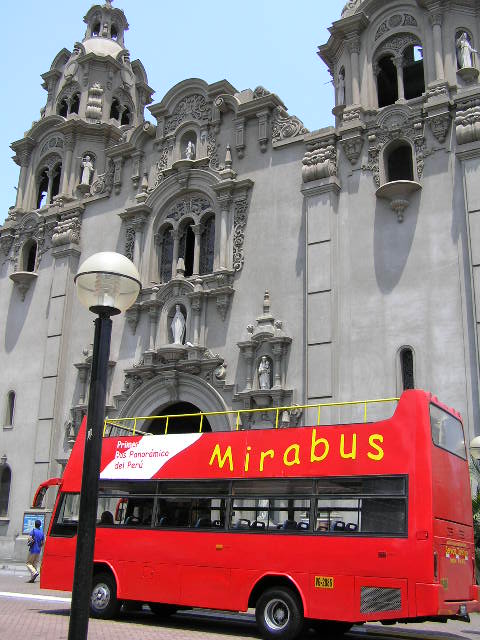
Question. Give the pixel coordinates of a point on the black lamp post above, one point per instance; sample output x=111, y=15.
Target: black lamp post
x=107, y=284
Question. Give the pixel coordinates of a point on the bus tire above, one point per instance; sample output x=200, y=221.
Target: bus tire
x=103, y=602
x=279, y=614
x=162, y=610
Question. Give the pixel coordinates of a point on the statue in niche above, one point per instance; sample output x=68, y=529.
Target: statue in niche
x=264, y=370
x=87, y=170
x=178, y=326
x=190, y=151
x=341, y=87
x=464, y=51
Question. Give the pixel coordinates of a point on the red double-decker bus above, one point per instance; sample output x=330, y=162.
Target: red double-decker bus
x=326, y=525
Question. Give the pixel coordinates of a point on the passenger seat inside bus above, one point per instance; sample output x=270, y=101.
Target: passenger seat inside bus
x=257, y=524
x=338, y=526
x=203, y=523
x=289, y=524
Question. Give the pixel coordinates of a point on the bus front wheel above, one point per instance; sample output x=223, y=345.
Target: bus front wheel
x=279, y=614
x=103, y=602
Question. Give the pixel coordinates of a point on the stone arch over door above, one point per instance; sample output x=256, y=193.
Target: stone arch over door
x=174, y=386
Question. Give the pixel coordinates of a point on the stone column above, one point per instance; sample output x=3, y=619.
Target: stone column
x=176, y=238
x=196, y=306
x=354, y=48
x=398, y=62
x=248, y=355
x=197, y=230
x=225, y=202
x=277, y=349
x=436, y=20
x=24, y=161
x=67, y=166
x=152, y=326
x=138, y=225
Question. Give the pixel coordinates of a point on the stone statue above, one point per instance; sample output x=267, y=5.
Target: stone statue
x=178, y=326
x=464, y=51
x=190, y=151
x=87, y=170
x=264, y=373
x=341, y=87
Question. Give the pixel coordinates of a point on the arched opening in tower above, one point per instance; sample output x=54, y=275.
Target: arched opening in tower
x=189, y=424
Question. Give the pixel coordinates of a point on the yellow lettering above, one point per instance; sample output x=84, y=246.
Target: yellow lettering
x=296, y=459
x=247, y=458
x=221, y=461
x=353, y=452
x=371, y=442
x=263, y=454
x=315, y=442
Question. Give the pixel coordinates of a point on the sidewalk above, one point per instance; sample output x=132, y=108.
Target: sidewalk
x=11, y=567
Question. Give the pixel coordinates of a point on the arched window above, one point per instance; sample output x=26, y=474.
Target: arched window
x=187, y=249
x=42, y=189
x=62, y=108
x=413, y=77
x=96, y=29
x=55, y=181
x=399, y=162
x=5, y=482
x=207, y=246
x=114, y=32
x=406, y=366
x=75, y=103
x=29, y=256
x=48, y=184
x=10, y=409
x=115, y=109
x=387, y=85
x=125, y=116
x=166, y=256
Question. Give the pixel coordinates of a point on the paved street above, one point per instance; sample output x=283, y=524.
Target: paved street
x=26, y=611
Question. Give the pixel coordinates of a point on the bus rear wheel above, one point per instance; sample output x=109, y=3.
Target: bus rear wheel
x=279, y=614
x=103, y=601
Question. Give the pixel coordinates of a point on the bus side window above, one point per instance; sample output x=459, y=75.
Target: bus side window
x=66, y=517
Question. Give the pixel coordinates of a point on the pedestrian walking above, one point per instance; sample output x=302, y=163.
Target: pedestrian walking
x=35, y=544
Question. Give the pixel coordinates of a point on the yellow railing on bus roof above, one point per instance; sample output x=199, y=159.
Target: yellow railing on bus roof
x=125, y=424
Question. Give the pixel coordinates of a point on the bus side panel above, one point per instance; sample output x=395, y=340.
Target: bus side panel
x=331, y=597
x=58, y=564
x=381, y=598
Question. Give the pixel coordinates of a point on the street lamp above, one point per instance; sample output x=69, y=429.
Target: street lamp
x=107, y=284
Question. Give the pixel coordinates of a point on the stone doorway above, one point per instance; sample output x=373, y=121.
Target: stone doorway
x=178, y=425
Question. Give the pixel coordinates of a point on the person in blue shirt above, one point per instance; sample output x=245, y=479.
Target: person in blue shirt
x=35, y=547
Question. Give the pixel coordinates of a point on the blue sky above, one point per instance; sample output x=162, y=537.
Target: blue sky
x=271, y=43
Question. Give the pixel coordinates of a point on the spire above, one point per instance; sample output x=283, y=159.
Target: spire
x=105, y=21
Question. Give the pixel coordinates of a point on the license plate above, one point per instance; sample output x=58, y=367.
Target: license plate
x=321, y=582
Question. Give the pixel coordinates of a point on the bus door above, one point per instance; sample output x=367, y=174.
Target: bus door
x=452, y=507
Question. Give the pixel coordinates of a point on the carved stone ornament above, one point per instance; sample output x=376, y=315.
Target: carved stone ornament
x=95, y=102
x=439, y=125
x=395, y=122
x=266, y=343
x=350, y=8
x=395, y=21
x=260, y=92
x=129, y=242
x=285, y=126
x=193, y=204
x=67, y=231
x=104, y=182
x=51, y=143
x=239, y=222
x=352, y=147
x=320, y=161
x=193, y=107
x=396, y=44
x=467, y=122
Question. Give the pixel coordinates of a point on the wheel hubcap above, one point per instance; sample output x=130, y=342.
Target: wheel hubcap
x=100, y=596
x=277, y=614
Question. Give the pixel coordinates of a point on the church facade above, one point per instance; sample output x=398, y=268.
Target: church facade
x=279, y=266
